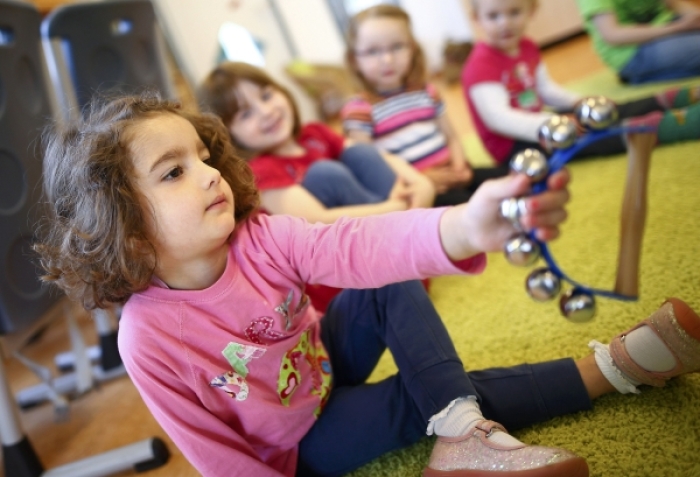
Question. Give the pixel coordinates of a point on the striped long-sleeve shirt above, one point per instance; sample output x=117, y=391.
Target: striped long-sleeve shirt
x=404, y=123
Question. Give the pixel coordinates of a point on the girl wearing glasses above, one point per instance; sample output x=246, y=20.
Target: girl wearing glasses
x=399, y=111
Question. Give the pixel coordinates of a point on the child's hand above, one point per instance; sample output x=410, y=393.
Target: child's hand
x=421, y=193
x=689, y=21
x=477, y=226
x=446, y=177
x=463, y=173
x=401, y=192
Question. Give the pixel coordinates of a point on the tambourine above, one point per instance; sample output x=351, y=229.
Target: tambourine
x=559, y=134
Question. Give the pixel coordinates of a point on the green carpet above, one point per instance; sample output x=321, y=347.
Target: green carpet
x=494, y=323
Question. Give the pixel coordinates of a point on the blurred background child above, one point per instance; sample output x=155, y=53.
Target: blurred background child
x=645, y=40
x=307, y=170
x=398, y=110
x=506, y=86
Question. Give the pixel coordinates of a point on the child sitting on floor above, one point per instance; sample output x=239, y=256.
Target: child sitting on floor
x=150, y=206
x=645, y=40
x=305, y=170
x=399, y=111
x=506, y=86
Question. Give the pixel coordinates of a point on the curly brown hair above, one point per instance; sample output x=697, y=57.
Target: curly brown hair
x=217, y=93
x=416, y=77
x=92, y=239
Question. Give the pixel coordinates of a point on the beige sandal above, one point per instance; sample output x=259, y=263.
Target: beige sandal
x=679, y=328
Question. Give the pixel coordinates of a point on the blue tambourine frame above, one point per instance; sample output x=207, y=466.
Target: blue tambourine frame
x=556, y=162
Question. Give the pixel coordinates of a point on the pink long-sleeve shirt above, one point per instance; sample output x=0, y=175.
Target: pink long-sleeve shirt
x=236, y=373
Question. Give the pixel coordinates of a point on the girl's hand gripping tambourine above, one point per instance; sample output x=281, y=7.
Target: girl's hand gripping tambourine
x=559, y=134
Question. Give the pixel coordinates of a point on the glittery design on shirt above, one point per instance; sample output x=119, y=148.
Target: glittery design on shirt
x=262, y=328
x=290, y=376
x=233, y=382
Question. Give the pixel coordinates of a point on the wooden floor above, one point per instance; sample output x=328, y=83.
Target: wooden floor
x=113, y=415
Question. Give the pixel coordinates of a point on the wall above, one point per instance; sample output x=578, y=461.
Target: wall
x=436, y=22
x=192, y=28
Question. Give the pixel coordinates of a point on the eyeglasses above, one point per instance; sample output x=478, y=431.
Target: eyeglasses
x=375, y=53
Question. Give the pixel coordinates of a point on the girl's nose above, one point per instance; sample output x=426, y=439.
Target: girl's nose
x=387, y=55
x=264, y=108
x=211, y=176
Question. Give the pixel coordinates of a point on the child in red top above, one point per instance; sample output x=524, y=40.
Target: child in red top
x=306, y=170
x=507, y=87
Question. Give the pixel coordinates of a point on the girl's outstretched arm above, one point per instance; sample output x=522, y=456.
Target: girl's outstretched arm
x=477, y=226
x=297, y=201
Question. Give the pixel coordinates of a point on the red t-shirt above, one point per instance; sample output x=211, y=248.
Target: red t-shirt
x=487, y=64
x=274, y=172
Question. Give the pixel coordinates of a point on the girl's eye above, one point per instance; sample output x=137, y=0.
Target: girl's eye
x=266, y=94
x=208, y=161
x=173, y=173
x=244, y=114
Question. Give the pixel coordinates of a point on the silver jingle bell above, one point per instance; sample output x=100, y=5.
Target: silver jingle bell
x=577, y=306
x=521, y=250
x=512, y=209
x=530, y=162
x=558, y=132
x=596, y=112
x=542, y=284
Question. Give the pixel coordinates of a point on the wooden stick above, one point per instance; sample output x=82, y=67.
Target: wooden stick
x=633, y=213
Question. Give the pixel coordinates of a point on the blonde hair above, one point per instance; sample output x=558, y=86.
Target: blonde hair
x=416, y=77
x=474, y=4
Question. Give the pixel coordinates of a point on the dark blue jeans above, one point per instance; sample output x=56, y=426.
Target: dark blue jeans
x=363, y=421
x=669, y=58
x=361, y=176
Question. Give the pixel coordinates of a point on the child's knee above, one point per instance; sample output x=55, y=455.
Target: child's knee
x=361, y=154
x=327, y=170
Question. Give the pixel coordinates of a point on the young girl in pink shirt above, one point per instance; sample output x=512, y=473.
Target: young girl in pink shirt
x=150, y=207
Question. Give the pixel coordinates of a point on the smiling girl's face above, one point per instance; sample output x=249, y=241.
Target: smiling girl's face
x=189, y=206
x=265, y=120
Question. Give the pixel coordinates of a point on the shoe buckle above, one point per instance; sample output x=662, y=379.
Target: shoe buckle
x=487, y=432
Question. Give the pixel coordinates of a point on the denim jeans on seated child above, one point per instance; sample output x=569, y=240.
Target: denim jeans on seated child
x=362, y=421
x=669, y=58
x=361, y=176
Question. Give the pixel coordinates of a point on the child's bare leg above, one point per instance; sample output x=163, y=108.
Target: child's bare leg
x=594, y=380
